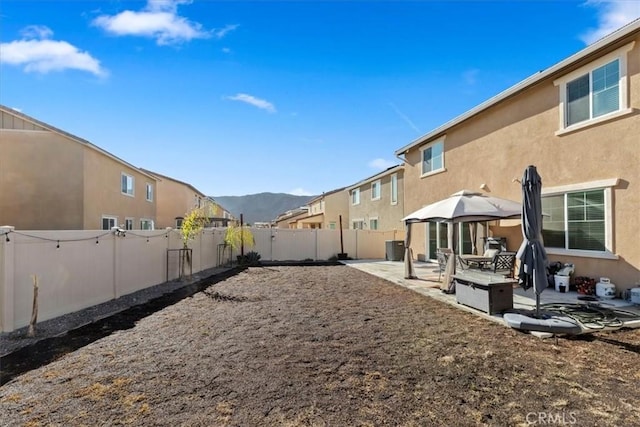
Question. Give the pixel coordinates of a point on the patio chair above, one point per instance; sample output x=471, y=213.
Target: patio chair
x=504, y=263
x=443, y=257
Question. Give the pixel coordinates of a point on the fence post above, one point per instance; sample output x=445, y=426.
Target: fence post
x=116, y=261
x=7, y=257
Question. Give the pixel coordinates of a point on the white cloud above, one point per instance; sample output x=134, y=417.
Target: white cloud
x=381, y=164
x=36, y=32
x=300, y=192
x=224, y=31
x=252, y=100
x=612, y=14
x=158, y=20
x=37, y=53
x=226, y=50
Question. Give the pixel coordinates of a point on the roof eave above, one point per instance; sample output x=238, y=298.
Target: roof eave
x=526, y=83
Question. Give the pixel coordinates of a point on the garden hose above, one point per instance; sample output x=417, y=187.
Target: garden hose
x=591, y=316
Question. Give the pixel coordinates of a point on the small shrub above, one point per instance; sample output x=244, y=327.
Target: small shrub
x=250, y=258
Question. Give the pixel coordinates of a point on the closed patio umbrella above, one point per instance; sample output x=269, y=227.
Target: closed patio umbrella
x=532, y=255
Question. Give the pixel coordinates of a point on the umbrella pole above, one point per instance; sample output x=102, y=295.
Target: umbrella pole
x=537, y=305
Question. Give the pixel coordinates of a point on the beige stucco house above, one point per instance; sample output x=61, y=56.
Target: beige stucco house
x=327, y=209
x=377, y=202
x=53, y=180
x=290, y=218
x=578, y=122
x=175, y=199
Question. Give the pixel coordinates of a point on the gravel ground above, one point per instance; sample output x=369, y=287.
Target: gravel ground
x=328, y=346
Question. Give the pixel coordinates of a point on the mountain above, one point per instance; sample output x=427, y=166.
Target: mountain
x=261, y=207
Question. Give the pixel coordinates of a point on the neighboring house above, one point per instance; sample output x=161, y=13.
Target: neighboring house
x=377, y=202
x=53, y=180
x=289, y=219
x=175, y=199
x=578, y=122
x=326, y=210
x=220, y=216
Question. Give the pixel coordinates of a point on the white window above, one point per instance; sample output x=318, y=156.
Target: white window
x=578, y=219
x=126, y=186
x=149, y=192
x=433, y=158
x=179, y=221
x=128, y=223
x=373, y=223
x=375, y=190
x=394, y=189
x=355, y=196
x=108, y=222
x=595, y=92
x=332, y=225
x=358, y=224
x=146, y=224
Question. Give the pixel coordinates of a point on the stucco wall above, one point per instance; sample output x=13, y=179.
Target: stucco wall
x=494, y=147
x=389, y=215
x=103, y=196
x=174, y=199
x=336, y=205
x=41, y=180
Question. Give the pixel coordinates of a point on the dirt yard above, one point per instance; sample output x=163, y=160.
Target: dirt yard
x=328, y=346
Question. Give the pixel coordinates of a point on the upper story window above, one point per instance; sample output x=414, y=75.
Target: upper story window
x=578, y=219
x=595, y=92
x=358, y=224
x=355, y=196
x=373, y=223
x=432, y=157
x=149, y=192
x=375, y=190
x=128, y=223
x=126, y=184
x=394, y=189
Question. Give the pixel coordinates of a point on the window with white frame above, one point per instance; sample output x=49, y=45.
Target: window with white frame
x=432, y=157
x=108, y=222
x=358, y=224
x=355, y=196
x=375, y=190
x=332, y=225
x=179, y=221
x=373, y=223
x=394, y=189
x=149, y=192
x=126, y=184
x=146, y=224
x=578, y=220
x=128, y=223
x=595, y=92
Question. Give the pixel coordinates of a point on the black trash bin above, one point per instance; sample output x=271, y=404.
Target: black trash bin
x=394, y=250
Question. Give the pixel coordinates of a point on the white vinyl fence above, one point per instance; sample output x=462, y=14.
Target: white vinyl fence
x=81, y=268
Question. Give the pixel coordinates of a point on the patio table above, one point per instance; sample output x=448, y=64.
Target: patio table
x=476, y=261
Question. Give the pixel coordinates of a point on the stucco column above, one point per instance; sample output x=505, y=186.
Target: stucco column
x=7, y=254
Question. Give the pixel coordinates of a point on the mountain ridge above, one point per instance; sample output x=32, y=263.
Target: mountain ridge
x=261, y=207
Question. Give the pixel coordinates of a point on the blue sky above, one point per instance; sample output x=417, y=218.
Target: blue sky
x=298, y=97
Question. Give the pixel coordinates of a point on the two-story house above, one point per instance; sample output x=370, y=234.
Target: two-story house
x=53, y=180
x=175, y=199
x=327, y=210
x=377, y=202
x=578, y=122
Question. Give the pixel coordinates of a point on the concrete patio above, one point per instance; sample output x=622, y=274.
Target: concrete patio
x=429, y=285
